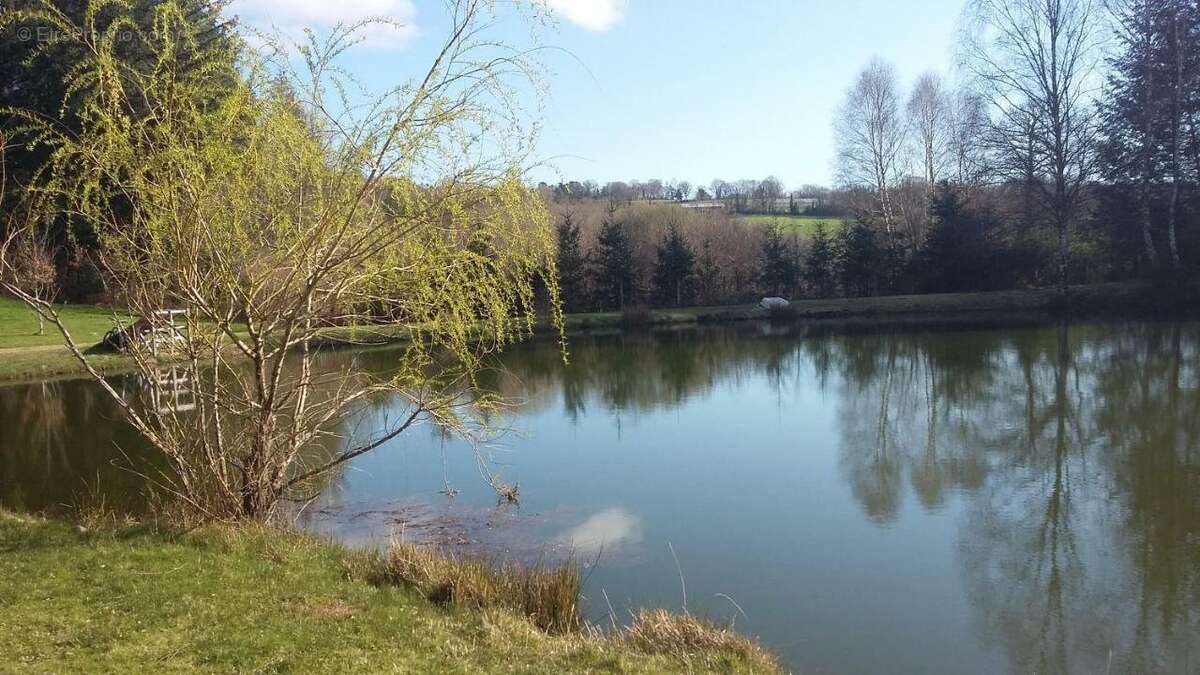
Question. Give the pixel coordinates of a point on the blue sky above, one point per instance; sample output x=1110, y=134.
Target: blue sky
x=676, y=89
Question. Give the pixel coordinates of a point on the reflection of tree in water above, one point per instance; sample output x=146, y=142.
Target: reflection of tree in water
x=59, y=440
x=1150, y=414
x=1081, y=550
x=901, y=411
x=642, y=372
x=1030, y=530
x=1075, y=452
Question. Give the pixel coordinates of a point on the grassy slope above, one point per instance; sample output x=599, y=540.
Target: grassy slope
x=254, y=600
x=802, y=225
x=19, y=326
x=25, y=355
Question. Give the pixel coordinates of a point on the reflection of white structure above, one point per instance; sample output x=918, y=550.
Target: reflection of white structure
x=171, y=390
x=607, y=530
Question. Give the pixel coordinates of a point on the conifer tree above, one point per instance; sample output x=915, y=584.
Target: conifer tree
x=674, y=273
x=615, y=273
x=572, y=270
x=779, y=268
x=818, y=263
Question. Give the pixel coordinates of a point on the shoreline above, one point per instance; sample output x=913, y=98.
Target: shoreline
x=42, y=362
x=259, y=597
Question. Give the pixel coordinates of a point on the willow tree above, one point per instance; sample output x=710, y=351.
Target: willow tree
x=294, y=203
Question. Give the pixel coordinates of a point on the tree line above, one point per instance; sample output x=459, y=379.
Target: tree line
x=747, y=195
x=1067, y=149
x=615, y=257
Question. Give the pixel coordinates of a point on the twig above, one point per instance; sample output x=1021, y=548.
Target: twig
x=682, y=585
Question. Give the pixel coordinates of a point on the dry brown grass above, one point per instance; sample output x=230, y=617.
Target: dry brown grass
x=696, y=641
x=549, y=596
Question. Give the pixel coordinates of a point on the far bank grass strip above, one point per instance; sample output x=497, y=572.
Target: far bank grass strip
x=30, y=357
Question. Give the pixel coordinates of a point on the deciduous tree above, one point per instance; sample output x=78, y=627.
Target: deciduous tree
x=869, y=132
x=1034, y=62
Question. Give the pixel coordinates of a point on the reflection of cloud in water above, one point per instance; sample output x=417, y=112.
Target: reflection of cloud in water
x=608, y=530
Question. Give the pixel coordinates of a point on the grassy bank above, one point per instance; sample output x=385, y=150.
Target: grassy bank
x=1091, y=299
x=27, y=356
x=135, y=599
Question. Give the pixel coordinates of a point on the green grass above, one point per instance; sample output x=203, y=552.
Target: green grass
x=19, y=326
x=26, y=355
x=802, y=225
x=256, y=599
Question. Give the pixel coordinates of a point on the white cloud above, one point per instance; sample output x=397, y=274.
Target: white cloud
x=591, y=14
x=291, y=17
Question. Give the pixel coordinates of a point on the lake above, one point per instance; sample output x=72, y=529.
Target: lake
x=1004, y=498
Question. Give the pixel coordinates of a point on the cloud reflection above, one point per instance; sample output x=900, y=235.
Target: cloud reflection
x=608, y=530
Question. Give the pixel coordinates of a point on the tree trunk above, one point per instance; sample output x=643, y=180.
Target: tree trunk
x=1064, y=252
x=1029, y=183
x=1195, y=144
x=1176, y=113
x=1147, y=134
x=886, y=203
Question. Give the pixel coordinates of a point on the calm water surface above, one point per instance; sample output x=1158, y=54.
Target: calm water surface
x=911, y=500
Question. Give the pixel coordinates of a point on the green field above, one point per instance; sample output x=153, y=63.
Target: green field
x=19, y=325
x=256, y=599
x=26, y=355
x=801, y=225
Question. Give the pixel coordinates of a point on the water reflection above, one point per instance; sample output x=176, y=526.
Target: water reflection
x=610, y=530
x=1023, y=498
x=60, y=443
x=1076, y=449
